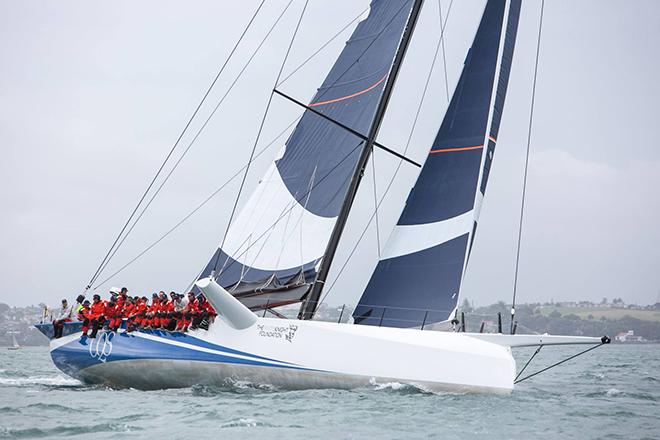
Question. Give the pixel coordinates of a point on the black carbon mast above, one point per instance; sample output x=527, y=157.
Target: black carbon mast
x=308, y=307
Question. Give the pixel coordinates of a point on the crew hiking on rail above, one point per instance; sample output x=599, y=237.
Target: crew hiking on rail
x=174, y=313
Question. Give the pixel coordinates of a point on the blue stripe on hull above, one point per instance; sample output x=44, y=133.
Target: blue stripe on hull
x=82, y=353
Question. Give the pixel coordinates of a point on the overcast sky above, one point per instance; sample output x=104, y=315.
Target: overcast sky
x=93, y=95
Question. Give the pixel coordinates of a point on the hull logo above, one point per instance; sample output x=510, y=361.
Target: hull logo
x=286, y=332
x=101, y=347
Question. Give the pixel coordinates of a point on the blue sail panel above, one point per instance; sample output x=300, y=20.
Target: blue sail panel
x=324, y=152
x=418, y=278
x=275, y=243
x=447, y=182
x=410, y=276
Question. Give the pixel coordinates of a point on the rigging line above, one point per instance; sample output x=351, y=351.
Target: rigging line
x=396, y=171
x=199, y=131
x=322, y=47
x=373, y=173
x=208, y=91
x=605, y=340
x=528, y=362
x=261, y=126
x=190, y=214
x=442, y=32
x=524, y=189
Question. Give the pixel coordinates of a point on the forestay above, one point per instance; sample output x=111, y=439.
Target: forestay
x=418, y=277
x=272, y=249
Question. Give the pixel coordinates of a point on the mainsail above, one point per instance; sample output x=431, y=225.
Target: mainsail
x=418, y=277
x=273, y=247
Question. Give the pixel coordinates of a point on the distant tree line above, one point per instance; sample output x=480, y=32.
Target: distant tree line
x=530, y=319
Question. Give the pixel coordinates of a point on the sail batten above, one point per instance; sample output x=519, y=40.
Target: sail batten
x=425, y=256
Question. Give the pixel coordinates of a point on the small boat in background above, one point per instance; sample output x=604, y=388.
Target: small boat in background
x=15, y=345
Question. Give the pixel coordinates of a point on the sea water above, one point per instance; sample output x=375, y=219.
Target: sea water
x=610, y=393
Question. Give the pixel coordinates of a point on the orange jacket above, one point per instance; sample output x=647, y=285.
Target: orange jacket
x=155, y=306
x=209, y=308
x=193, y=306
x=84, y=313
x=110, y=311
x=127, y=310
x=97, y=309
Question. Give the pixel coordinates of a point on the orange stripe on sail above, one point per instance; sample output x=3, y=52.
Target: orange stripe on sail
x=492, y=138
x=451, y=150
x=361, y=92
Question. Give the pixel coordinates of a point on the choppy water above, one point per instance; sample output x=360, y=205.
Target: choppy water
x=611, y=393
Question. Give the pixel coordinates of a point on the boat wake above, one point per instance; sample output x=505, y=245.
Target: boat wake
x=244, y=422
x=48, y=381
x=232, y=386
x=61, y=431
x=398, y=387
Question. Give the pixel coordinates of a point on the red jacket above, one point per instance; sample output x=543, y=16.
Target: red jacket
x=155, y=306
x=167, y=307
x=140, y=308
x=193, y=306
x=110, y=311
x=127, y=310
x=209, y=308
x=97, y=309
x=84, y=313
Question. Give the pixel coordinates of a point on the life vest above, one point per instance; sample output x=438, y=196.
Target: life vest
x=193, y=306
x=110, y=311
x=209, y=308
x=155, y=306
x=127, y=310
x=97, y=309
x=84, y=313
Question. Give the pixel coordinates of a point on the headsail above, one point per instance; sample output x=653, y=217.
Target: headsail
x=272, y=250
x=419, y=275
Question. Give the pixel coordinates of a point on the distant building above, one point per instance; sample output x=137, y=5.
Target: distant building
x=628, y=336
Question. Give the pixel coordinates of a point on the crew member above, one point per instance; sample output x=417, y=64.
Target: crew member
x=167, y=311
x=78, y=307
x=190, y=312
x=206, y=314
x=153, y=321
x=180, y=303
x=84, y=315
x=97, y=314
x=63, y=315
x=112, y=315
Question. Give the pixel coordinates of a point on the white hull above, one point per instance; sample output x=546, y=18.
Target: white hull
x=290, y=355
x=293, y=354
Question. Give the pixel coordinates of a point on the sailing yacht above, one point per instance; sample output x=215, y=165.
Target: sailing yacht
x=308, y=190
x=15, y=345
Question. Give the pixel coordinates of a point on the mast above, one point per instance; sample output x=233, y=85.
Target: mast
x=310, y=304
